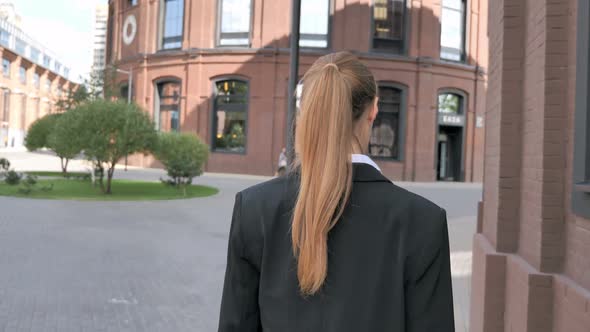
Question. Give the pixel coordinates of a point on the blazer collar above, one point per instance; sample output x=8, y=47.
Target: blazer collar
x=362, y=172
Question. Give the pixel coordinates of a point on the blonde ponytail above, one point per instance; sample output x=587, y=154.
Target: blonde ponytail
x=336, y=91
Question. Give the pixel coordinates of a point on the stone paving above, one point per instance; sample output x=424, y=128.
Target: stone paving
x=149, y=266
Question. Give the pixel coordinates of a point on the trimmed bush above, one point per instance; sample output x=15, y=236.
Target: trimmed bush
x=38, y=133
x=183, y=156
x=12, y=178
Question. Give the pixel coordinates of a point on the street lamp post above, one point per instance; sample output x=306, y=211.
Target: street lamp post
x=293, y=79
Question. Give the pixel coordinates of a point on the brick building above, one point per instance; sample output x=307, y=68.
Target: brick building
x=32, y=80
x=531, y=268
x=219, y=68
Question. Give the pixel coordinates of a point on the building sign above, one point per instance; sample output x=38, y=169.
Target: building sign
x=451, y=120
x=479, y=122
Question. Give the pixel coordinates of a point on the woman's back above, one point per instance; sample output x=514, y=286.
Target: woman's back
x=335, y=246
x=388, y=263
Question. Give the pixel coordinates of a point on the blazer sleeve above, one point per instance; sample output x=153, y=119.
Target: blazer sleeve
x=428, y=293
x=239, y=304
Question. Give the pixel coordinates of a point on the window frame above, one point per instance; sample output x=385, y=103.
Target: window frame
x=406, y=33
x=161, y=80
x=402, y=121
x=213, y=122
x=219, y=22
x=161, y=27
x=6, y=73
x=463, y=35
x=329, y=34
x=581, y=155
x=36, y=80
x=22, y=78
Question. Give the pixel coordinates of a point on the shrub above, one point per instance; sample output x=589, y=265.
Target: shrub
x=39, y=132
x=4, y=164
x=108, y=131
x=12, y=178
x=183, y=156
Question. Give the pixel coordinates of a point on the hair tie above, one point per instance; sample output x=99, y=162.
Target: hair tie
x=331, y=64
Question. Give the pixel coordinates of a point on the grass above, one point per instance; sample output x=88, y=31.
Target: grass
x=123, y=190
x=56, y=174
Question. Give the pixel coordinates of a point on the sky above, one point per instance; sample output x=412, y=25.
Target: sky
x=64, y=27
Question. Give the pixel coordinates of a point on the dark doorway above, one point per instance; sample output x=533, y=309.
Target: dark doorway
x=450, y=150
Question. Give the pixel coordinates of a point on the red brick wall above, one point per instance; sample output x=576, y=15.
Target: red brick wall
x=526, y=218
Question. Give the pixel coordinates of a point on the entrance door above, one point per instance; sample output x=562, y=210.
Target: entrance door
x=450, y=153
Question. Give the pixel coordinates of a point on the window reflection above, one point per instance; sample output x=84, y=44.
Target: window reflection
x=388, y=25
x=234, y=26
x=167, y=110
x=452, y=36
x=315, y=16
x=231, y=107
x=173, y=22
x=385, y=135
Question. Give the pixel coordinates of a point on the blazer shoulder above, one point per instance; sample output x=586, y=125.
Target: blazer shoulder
x=268, y=191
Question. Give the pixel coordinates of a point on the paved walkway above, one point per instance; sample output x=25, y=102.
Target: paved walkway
x=148, y=266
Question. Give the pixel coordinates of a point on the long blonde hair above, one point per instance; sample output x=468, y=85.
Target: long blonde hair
x=337, y=90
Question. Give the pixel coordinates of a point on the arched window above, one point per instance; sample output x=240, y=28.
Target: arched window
x=171, y=29
x=230, y=112
x=234, y=22
x=315, y=23
x=452, y=31
x=387, y=135
x=167, y=106
x=389, y=25
x=450, y=103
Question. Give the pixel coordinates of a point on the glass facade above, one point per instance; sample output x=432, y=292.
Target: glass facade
x=234, y=23
x=385, y=136
x=389, y=20
x=173, y=23
x=167, y=108
x=452, y=34
x=230, y=116
x=315, y=23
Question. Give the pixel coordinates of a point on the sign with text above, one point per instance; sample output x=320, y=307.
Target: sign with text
x=451, y=120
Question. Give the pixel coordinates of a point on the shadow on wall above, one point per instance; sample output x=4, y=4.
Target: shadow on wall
x=248, y=103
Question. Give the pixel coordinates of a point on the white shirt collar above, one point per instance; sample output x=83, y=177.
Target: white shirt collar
x=364, y=159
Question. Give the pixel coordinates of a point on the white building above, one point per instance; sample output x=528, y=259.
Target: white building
x=100, y=37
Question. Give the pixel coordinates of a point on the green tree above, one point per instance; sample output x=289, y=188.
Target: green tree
x=73, y=98
x=183, y=156
x=39, y=132
x=64, y=139
x=110, y=130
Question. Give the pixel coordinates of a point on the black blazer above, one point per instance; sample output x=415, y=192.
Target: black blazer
x=388, y=263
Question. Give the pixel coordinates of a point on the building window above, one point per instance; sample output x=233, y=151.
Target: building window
x=389, y=22
x=57, y=67
x=35, y=53
x=315, y=21
x=234, y=22
x=22, y=75
x=20, y=46
x=48, y=84
x=36, y=80
x=66, y=72
x=172, y=24
x=230, y=116
x=5, y=105
x=4, y=38
x=46, y=61
x=386, y=135
x=452, y=31
x=132, y=3
x=167, y=106
x=581, y=174
x=450, y=103
x=6, y=67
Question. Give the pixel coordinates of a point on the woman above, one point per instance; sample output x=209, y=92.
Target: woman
x=335, y=246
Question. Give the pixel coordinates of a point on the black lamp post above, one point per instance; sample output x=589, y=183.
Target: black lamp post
x=293, y=79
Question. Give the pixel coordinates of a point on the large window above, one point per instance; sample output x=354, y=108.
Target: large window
x=36, y=80
x=581, y=175
x=167, y=105
x=452, y=31
x=315, y=23
x=4, y=38
x=20, y=46
x=22, y=74
x=172, y=24
x=5, y=67
x=389, y=25
x=35, y=53
x=234, y=22
x=46, y=61
x=5, y=105
x=230, y=116
x=387, y=129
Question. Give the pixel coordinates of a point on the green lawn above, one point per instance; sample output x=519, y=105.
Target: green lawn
x=123, y=190
x=56, y=174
